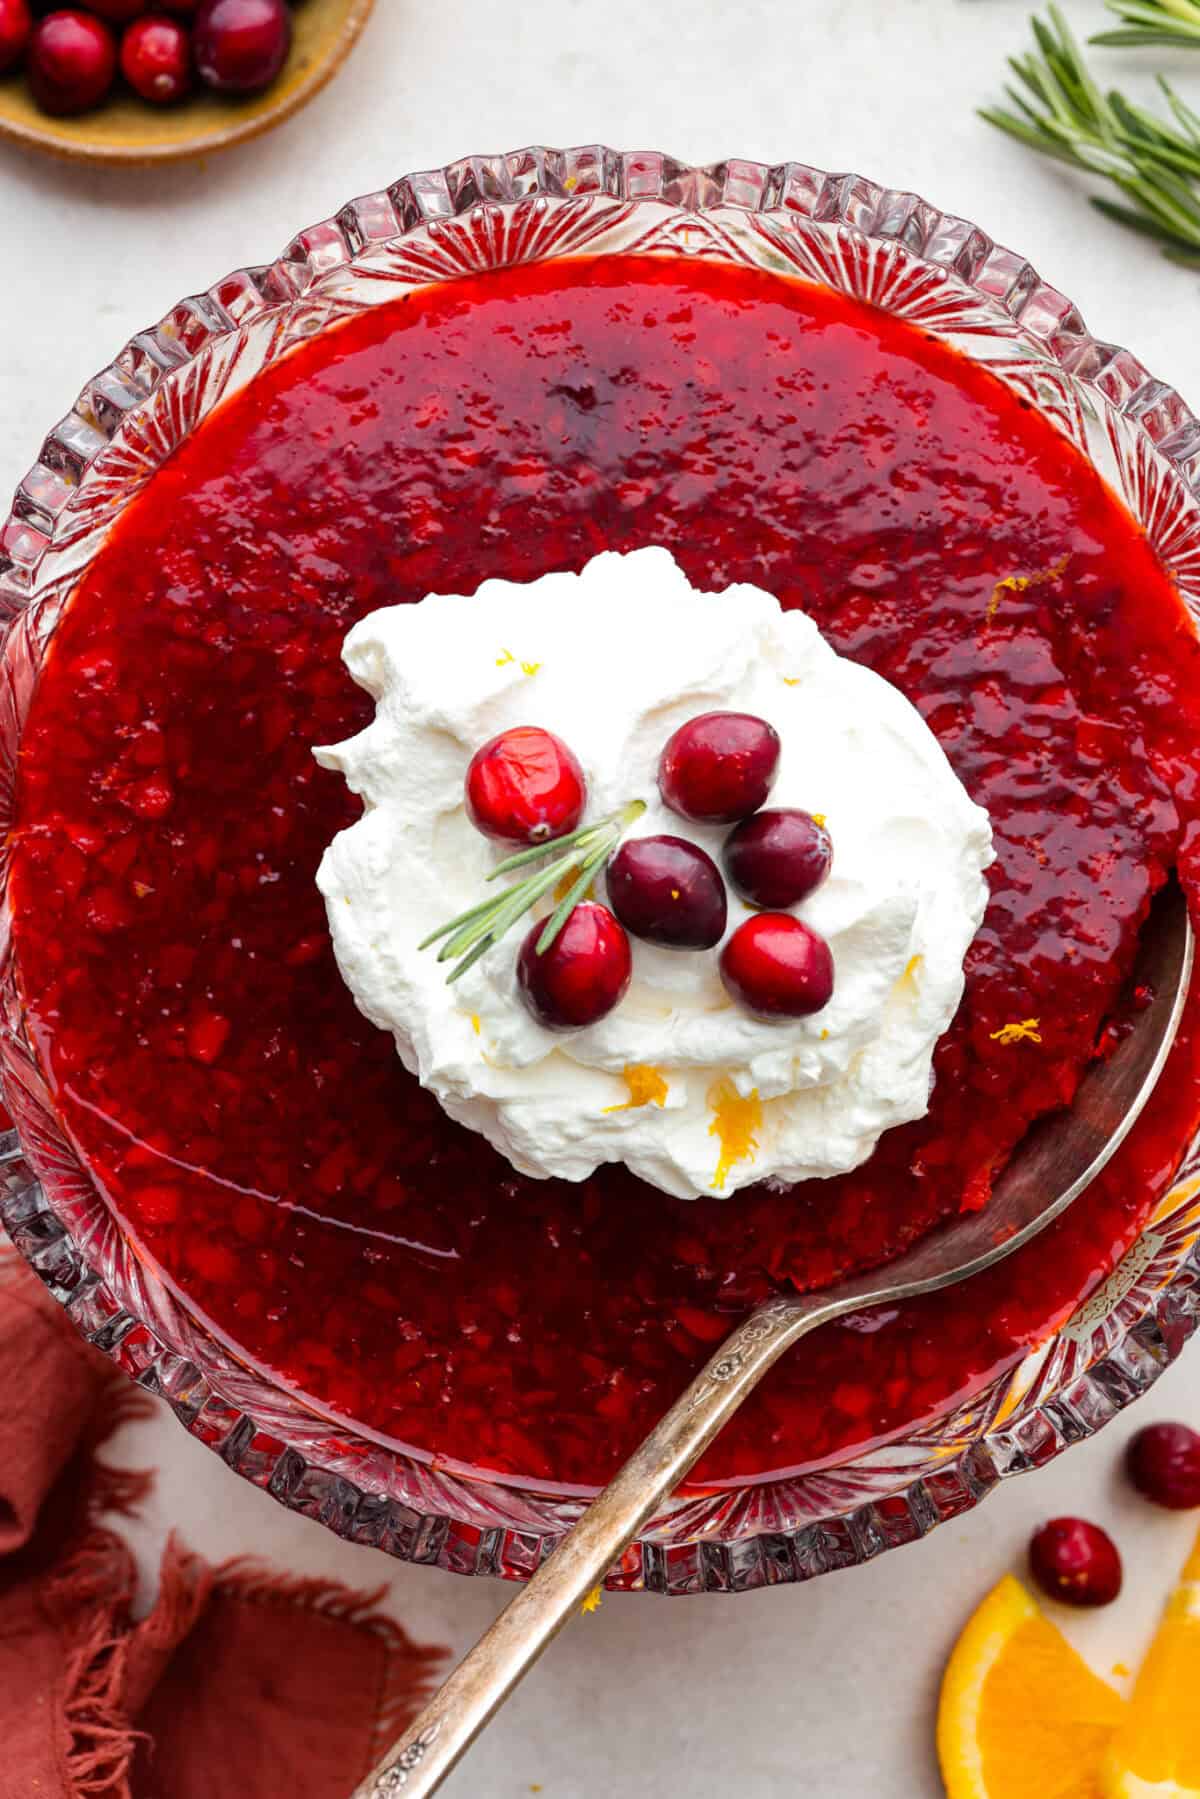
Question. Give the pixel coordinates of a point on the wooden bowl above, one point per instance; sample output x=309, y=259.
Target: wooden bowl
x=127, y=130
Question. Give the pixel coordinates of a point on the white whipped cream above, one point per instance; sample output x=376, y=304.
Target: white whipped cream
x=613, y=660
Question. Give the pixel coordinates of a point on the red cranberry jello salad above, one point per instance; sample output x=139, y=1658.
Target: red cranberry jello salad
x=582, y=798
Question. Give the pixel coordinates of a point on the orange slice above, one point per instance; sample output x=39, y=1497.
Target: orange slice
x=1156, y=1752
x=1021, y=1714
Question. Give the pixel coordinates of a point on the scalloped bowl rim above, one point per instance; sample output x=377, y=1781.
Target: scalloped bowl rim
x=886, y=246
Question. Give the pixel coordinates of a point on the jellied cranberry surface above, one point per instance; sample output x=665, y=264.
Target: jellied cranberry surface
x=777, y=858
x=261, y=1140
x=582, y=976
x=668, y=891
x=719, y=767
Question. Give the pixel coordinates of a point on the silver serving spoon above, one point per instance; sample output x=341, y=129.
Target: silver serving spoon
x=1051, y=1167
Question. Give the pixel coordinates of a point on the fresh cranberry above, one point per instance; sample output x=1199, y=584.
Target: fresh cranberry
x=525, y=786
x=719, y=767
x=668, y=891
x=776, y=967
x=117, y=12
x=156, y=59
x=72, y=61
x=1076, y=1562
x=777, y=858
x=1163, y=1462
x=582, y=976
x=241, y=45
x=16, y=29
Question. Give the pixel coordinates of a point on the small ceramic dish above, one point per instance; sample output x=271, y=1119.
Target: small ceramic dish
x=127, y=130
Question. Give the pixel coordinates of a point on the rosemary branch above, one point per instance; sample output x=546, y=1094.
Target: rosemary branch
x=1174, y=24
x=1153, y=162
x=579, y=857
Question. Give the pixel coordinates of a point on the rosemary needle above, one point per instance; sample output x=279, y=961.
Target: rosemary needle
x=1173, y=24
x=1154, y=162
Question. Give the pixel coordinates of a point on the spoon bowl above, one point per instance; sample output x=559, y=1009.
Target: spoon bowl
x=1056, y=1160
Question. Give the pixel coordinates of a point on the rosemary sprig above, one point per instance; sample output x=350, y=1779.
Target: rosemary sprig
x=1172, y=23
x=581, y=854
x=1155, y=163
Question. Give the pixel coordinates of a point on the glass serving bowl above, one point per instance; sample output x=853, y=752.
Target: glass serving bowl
x=888, y=248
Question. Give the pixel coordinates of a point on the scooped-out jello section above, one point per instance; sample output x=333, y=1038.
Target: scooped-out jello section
x=618, y=662
x=910, y=522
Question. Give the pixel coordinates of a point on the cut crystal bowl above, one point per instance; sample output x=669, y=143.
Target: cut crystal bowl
x=888, y=248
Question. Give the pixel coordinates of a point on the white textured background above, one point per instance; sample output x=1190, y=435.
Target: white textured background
x=826, y=1689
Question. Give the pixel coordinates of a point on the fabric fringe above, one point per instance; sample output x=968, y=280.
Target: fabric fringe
x=89, y=1598
x=95, y=1583
x=410, y=1669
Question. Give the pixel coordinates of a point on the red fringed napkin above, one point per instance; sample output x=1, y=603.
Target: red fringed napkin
x=239, y=1685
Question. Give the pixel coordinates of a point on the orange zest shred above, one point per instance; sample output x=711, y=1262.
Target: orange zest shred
x=476, y=1023
x=1024, y=1030
x=530, y=668
x=1020, y=583
x=504, y=658
x=910, y=970
x=819, y=818
x=593, y=1602
x=647, y=1087
x=736, y=1120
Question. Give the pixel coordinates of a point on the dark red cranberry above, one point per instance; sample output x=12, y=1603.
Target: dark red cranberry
x=582, y=976
x=1075, y=1562
x=668, y=891
x=777, y=858
x=156, y=59
x=117, y=12
x=776, y=967
x=72, y=61
x=16, y=29
x=525, y=786
x=241, y=45
x=1163, y=1462
x=719, y=767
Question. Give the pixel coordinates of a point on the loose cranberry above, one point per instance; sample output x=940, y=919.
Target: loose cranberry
x=1076, y=1562
x=117, y=12
x=668, y=891
x=241, y=45
x=156, y=60
x=525, y=786
x=582, y=976
x=719, y=767
x=16, y=29
x=776, y=967
x=72, y=61
x=1163, y=1462
x=777, y=858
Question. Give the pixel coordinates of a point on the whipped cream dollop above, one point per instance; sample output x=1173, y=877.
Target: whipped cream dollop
x=678, y=1082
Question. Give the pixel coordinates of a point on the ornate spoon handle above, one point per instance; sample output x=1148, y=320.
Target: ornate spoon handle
x=430, y=1748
